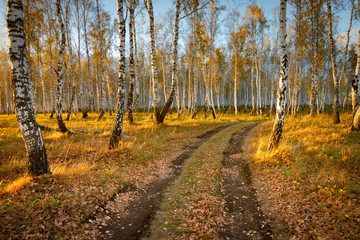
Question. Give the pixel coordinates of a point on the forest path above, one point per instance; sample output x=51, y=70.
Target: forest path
x=135, y=219
x=243, y=215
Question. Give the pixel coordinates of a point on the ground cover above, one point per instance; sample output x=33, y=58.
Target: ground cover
x=193, y=206
x=310, y=185
x=84, y=173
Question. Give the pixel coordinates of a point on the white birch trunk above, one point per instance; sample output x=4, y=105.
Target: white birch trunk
x=72, y=65
x=30, y=130
x=355, y=81
x=91, y=99
x=120, y=105
x=235, y=86
x=60, y=71
x=253, y=111
x=136, y=67
x=276, y=132
x=354, y=91
x=336, y=116
x=131, y=64
x=81, y=89
x=102, y=78
x=314, y=88
x=155, y=87
x=170, y=99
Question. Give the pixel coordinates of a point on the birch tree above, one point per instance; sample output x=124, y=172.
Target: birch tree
x=155, y=86
x=60, y=71
x=86, y=6
x=336, y=115
x=314, y=63
x=102, y=79
x=354, y=92
x=131, y=60
x=38, y=163
x=72, y=65
x=170, y=99
x=276, y=132
x=120, y=104
x=78, y=26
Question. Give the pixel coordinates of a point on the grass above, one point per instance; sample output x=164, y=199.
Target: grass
x=312, y=179
x=192, y=207
x=310, y=183
x=85, y=173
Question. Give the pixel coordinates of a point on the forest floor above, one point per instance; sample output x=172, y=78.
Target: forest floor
x=195, y=177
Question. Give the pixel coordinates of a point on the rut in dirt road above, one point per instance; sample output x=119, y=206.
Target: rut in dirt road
x=243, y=215
x=139, y=213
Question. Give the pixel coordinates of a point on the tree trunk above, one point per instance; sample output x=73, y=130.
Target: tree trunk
x=347, y=44
x=38, y=163
x=117, y=129
x=60, y=71
x=170, y=99
x=235, y=86
x=53, y=92
x=102, y=79
x=314, y=88
x=354, y=91
x=72, y=65
x=44, y=106
x=355, y=81
x=131, y=65
x=336, y=117
x=276, y=132
x=81, y=93
x=253, y=111
x=86, y=109
x=155, y=87
x=136, y=66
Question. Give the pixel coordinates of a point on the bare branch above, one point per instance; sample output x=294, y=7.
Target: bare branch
x=195, y=10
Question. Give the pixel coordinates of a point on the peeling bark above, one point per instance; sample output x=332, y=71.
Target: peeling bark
x=170, y=99
x=120, y=105
x=102, y=79
x=131, y=64
x=60, y=71
x=38, y=163
x=355, y=85
x=155, y=86
x=276, y=132
x=86, y=109
x=314, y=84
x=72, y=65
x=336, y=115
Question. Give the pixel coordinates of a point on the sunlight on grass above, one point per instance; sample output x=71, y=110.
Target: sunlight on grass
x=54, y=135
x=72, y=169
x=18, y=184
x=315, y=165
x=85, y=173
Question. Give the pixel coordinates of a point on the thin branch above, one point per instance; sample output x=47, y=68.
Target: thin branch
x=195, y=10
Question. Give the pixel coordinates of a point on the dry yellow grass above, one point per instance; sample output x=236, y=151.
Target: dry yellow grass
x=84, y=172
x=313, y=178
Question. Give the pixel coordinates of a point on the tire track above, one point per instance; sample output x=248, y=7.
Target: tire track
x=139, y=213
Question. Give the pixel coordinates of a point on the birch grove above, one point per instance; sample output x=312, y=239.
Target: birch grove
x=189, y=65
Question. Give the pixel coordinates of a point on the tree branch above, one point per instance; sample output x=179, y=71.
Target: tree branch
x=195, y=10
